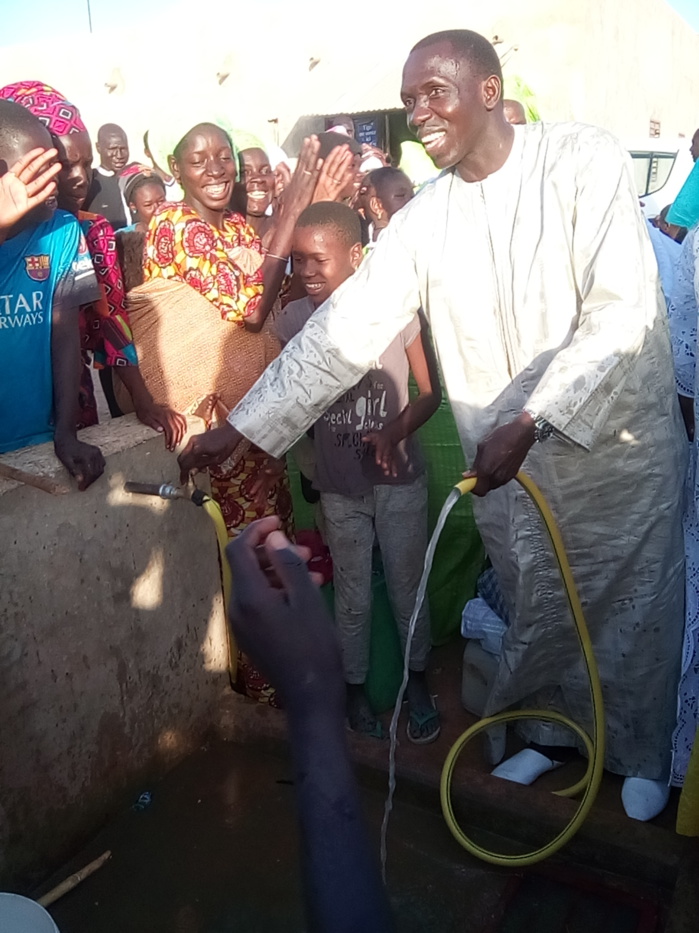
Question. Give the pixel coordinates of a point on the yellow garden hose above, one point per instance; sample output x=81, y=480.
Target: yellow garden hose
x=589, y=785
x=213, y=510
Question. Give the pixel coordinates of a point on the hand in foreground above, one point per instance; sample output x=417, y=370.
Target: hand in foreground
x=299, y=192
x=166, y=421
x=208, y=449
x=500, y=455
x=266, y=481
x=83, y=461
x=384, y=443
x=287, y=630
x=27, y=184
x=335, y=175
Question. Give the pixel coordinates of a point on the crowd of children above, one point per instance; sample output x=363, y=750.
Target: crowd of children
x=86, y=267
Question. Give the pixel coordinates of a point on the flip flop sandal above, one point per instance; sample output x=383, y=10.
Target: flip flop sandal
x=418, y=721
x=375, y=733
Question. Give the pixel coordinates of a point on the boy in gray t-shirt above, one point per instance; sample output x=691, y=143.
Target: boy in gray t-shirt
x=369, y=471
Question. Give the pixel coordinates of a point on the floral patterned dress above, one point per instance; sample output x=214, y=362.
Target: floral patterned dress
x=225, y=266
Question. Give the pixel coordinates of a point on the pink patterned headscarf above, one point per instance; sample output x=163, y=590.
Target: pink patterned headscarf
x=60, y=117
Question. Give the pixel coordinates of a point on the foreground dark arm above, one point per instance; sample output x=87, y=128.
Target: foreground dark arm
x=287, y=632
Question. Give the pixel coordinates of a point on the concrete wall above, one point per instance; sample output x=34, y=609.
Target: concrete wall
x=618, y=63
x=113, y=650
x=615, y=63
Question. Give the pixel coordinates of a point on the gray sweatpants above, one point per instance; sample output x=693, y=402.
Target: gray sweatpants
x=398, y=516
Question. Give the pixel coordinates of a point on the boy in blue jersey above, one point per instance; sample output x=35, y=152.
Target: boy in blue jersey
x=45, y=275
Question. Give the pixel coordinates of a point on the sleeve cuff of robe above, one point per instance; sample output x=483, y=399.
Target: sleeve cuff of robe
x=578, y=402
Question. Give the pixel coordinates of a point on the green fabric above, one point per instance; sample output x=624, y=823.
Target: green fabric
x=244, y=140
x=517, y=89
x=460, y=556
x=415, y=162
x=169, y=129
x=303, y=511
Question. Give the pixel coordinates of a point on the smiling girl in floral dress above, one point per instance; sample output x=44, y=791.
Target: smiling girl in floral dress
x=200, y=242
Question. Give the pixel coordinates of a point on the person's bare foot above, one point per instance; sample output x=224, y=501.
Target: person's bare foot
x=360, y=715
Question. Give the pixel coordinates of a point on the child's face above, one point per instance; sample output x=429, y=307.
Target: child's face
x=146, y=201
x=259, y=181
x=354, y=182
x=323, y=260
x=398, y=192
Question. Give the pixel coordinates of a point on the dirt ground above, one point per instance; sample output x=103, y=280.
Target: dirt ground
x=216, y=850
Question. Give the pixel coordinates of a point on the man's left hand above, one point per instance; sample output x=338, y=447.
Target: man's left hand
x=501, y=454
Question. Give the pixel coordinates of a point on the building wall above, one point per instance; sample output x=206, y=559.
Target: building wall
x=617, y=63
x=113, y=652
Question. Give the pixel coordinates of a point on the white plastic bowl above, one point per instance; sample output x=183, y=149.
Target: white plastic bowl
x=22, y=915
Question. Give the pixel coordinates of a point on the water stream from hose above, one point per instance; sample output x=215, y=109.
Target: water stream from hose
x=449, y=504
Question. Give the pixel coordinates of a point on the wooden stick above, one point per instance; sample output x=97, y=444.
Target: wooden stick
x=32, y=479
x=65, y=886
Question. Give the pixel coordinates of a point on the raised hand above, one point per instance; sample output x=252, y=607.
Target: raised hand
x=335, y=175
x=29, y=183
x=368, y=149
x=299, y=192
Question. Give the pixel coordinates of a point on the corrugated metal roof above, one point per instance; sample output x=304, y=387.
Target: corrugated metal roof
x=337, y=86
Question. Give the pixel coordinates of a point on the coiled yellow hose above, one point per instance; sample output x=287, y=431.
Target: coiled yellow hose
x=589, y=785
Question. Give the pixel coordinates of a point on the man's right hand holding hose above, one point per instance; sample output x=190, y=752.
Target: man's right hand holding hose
x=208, y=449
